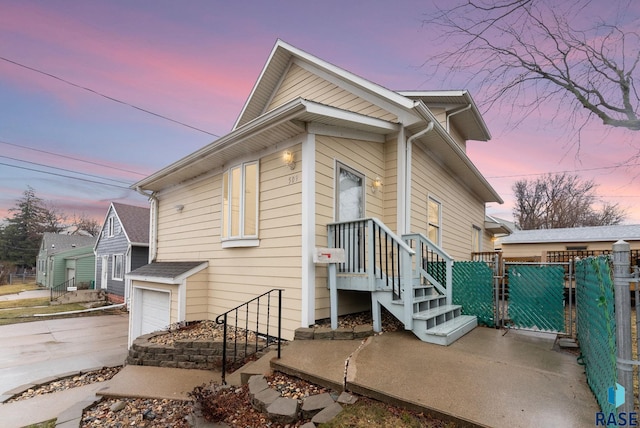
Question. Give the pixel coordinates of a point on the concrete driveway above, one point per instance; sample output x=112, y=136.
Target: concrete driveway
x=32, y=351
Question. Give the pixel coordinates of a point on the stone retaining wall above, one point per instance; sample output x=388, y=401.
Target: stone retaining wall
x=183, y=354
x=326, y=333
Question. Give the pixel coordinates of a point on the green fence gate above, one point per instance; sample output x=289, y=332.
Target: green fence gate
x=535, y=296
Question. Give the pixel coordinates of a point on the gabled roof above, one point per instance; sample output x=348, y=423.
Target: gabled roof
x=257, y=129
x=134, y=221
x=54, y=243
x=460, y=109
x=628, y=232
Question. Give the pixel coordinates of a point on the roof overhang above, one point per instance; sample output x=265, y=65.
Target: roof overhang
x=173, y=273
x=459, y=107
x=280, y=124
x=442, y=145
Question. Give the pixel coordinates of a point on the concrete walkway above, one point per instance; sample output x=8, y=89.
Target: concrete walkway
x=31, y=294
x=486, y=378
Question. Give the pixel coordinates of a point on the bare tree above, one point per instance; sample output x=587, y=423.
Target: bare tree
x=561, y=200
x=83, y=223
x=531, y=52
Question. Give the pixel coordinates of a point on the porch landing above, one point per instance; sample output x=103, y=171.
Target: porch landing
x=486, y=378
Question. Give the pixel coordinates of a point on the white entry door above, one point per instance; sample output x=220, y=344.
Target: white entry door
x=350, y=206
x=104, y=274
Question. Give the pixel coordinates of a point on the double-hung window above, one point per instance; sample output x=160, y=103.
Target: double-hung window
x=240, y=205
x=118, y=267
x=434, y=213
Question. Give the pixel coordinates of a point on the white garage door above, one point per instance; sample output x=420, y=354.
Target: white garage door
x=155, y=306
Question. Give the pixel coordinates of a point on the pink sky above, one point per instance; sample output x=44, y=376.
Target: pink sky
x=196, y=63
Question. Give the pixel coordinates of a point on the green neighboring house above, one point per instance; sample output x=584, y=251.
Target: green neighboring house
x=66, y=257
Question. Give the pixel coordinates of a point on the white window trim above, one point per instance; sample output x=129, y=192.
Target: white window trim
x=111, y=226
x=439, y=225
x=241, y=240
x=113, y=268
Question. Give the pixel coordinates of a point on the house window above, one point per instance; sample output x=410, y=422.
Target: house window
x=110, y=227
x=240, y=202
x=118, y=267
x=476, y=239
x=434, y=214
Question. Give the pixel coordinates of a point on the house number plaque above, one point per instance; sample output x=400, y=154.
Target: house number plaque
x=295, y=178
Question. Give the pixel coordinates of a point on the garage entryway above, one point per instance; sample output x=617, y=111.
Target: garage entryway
x=156, y=307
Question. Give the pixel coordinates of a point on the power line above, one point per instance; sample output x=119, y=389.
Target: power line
x=107, y=96
x=562, y=172
x=70, y=157
x=64, y=176
x=65, y=170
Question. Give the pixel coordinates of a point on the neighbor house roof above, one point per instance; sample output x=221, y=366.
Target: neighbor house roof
x=629, y=232
x=55, y=243
x=135, y=221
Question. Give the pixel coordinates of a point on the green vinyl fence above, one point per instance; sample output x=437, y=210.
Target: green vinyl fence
x=473, y=290
x=596, y=325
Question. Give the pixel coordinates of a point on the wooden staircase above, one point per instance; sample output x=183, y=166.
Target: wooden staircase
x=410, y=277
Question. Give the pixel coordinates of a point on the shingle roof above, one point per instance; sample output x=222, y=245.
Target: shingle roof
x=167, y=270
x=627, y=232
x=55, y=242
x=135, y=221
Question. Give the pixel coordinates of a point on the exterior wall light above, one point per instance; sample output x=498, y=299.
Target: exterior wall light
x=376, y=185
x=288, y=159
x=179, y=208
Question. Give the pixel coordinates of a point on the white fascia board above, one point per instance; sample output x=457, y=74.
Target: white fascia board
x=278, y=115
x=349, y=116
x=346, y=75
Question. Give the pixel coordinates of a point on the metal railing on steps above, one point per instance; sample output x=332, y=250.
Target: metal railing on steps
x=248, y=329
x=60, y=290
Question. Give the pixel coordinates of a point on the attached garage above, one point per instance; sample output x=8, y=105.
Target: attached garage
x=155, y=310
x=160, y=292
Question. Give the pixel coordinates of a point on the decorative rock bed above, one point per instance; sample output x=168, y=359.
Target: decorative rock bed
x=341, y=333
x=184, y=354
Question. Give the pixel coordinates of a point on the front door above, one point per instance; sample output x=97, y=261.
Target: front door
x=350, y=207
x=104, y=277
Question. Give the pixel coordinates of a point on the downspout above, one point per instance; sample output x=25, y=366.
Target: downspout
x=153, y=227
x=453, y=113
x=407, y=177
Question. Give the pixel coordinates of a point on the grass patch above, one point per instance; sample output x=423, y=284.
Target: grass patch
x=367, y=413
x=25, y=303
x=18, y=311
x=17, y=288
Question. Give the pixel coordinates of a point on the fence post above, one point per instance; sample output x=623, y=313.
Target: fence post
x=621, y=255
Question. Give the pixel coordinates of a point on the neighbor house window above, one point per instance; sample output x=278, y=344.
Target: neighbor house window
x=434, y=213
x=111, y=227
x=118, y=266
x=240, y=202
x=476, y=239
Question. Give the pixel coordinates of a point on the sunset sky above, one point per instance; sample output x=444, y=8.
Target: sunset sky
x=111, y=91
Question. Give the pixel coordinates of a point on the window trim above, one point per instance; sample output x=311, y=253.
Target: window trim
x=111, y=227
x=438, y=226
x=113, y=267
x=241, y=240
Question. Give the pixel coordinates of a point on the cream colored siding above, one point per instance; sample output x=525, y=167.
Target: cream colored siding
x=366, y=158
x=236, y=275
x=441, y=116
x=390, y=185
x=300, y=83
x=460, y=208
x=196, y=299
